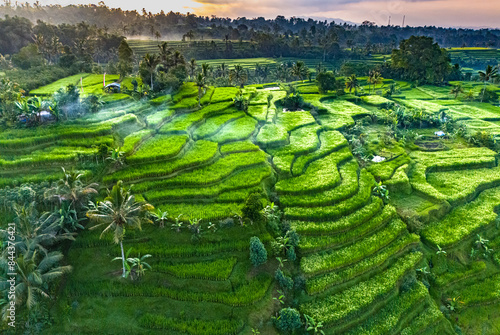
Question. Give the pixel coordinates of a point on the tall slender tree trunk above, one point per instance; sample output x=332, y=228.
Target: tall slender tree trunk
x=484, y=91
x=123, y=259
x=151, y=80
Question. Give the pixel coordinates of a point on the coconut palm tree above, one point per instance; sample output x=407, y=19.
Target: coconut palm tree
x=118, y=212
x=300, y=70
x=192, y=66
x=165, y=54
x=33, y=274
x=201, y=83
x=352, y=83
x=238, y=75
x=374, y=78
x=456, y=90
x=151, y=61
x=223, y=70
x=491, y=72
x=205, y=69
x=34, y=233
x=70, y=188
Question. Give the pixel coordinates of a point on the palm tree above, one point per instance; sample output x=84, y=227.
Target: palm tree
x=192, y=66
x=238, y=75
x=151, y=61
x=33, y=276
x=177, y=58
x=300, y=70
x=374, y=78
x=456, y=90
x=35, y=234
x=165, y=54
x=223, y=70
x=205, y=69
x=70, y=188
x=118, y=212
x=352, y=83
x=490, y=73
x=200, y=82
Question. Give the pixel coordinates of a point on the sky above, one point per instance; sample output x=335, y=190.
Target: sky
x=445, y=13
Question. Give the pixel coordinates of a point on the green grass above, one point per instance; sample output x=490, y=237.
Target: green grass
x=61, y=83
x=321, y=283
x=464, y=220
x=239, y=180
x=201, y=152
x=387, y=319
x=154, y=120
x=331, y=260
x=219, y=269
x=343, y=224
x=294, y=120
x=240, y=146
x=271, y=135
x=351, y=301
x=236, y=130
x=348, y=187
x=302, y=141
x=195, y=327
x=258, y=112
x=320, y=175
x=330, y=141
x=375, y=100
x=214, y=124
x=159, y=147
x=335, y=211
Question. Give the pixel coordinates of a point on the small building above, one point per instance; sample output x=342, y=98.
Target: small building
x=113, y=88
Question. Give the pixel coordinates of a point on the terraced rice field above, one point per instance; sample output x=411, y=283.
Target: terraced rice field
x=359, y=260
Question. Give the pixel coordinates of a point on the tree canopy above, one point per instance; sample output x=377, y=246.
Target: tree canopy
x=420, y=58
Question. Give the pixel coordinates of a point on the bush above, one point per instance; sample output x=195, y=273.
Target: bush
x=326, y=82
x=258, y=253
x=285, y=282
x=288, y=320
x=253, y=207
x=293, y=101
x=291, y=255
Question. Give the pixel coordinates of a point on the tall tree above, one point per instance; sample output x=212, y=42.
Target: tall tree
x=71, y=188
x=490, y=73
x=419, y=58
x=125, y=59
x=150, y=62
x=201, y=83
x=238, y=75
x=300, y=70
x=118, y=212
x=352, y=83
x=33, y=274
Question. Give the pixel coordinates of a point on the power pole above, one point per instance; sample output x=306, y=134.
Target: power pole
x=404, y=16
x=389, y=24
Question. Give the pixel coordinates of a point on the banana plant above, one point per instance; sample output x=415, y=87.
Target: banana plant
x=313, y=325
x=178, y=224
x=440, y=251
x=125, y=264
x=280, y=298
x=139, y=264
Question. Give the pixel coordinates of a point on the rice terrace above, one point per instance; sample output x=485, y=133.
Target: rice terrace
x=179, y=173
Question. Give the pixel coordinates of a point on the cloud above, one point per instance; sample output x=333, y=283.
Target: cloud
x=418, y=12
